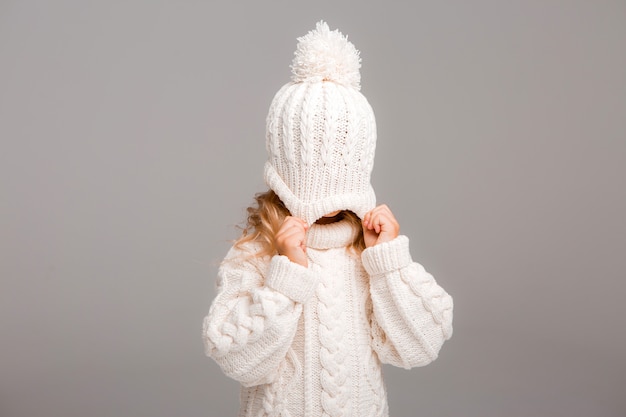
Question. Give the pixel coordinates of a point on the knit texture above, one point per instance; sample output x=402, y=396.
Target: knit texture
x=321, y=131
x=317, y=350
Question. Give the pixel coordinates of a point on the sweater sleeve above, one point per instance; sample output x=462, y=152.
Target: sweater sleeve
x=411, y=314
x=253, y=319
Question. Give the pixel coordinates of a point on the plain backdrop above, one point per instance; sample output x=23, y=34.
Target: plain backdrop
x=132, y=139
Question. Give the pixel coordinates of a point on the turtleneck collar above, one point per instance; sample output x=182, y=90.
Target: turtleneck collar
x=333, y=235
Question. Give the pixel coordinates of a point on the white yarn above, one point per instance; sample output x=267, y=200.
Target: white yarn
x=364, y=310
x=248, y=319
x=381, y=308
x=434, y=298
x=325, y=55
x=373, y=375
x=334, y=373
x=321, y=131
x=275, y=394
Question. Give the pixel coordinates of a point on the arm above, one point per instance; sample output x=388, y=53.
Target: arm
x=253, y=319
x=412, y=315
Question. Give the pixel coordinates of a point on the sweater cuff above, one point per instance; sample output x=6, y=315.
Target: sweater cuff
x=387, y=256
x=293, y=280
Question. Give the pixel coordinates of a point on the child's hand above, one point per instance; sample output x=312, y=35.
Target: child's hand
x=291, y=238
x=379, y=225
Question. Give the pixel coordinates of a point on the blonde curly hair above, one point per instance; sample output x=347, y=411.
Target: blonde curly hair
x=267, y=215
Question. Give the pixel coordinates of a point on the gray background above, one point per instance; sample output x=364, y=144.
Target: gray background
x=132, y=139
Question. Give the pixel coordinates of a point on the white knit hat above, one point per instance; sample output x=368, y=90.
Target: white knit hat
x=321, y=131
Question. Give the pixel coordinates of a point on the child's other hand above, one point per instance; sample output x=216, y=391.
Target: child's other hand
x=379, y=225
x=291, y=238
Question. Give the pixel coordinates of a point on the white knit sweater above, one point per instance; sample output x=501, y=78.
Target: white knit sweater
x=310, y=341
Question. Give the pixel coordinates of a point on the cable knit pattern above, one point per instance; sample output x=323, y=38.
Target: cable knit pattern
x=334, y=351
x=373, y=374
x=275, y=394
x=310, y=341
x=433, y=297
x=255, y=329
x=425, y=318
x=250, y=326
x=354, y=129
x=320, y=133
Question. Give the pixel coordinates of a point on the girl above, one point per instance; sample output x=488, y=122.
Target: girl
x=321, y=288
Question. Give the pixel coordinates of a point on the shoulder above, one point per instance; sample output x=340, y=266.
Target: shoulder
x=246, y=255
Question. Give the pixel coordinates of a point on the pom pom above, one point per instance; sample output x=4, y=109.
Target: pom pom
x=325, y=55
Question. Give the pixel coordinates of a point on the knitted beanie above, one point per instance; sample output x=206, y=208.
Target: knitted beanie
x=321, y=131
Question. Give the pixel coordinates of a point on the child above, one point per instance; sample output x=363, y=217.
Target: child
x=321, y=288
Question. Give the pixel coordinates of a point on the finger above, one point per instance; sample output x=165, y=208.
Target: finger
x=373, y=212
x=384, y=209
x=385, y=217
x=293, y=233
x=380, y=222
x=366, y=219
x=299, y=221
x=294, y=221
x=290, y=235
x=372, y=222
x=286, y=222
x=384, y=222
x=370, y=219
x=295, y=225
